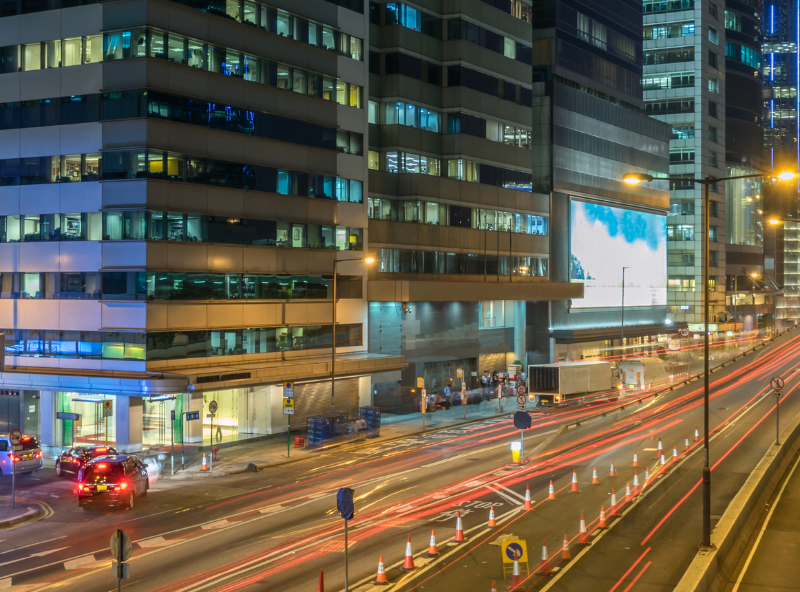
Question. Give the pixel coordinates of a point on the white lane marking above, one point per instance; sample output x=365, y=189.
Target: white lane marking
x=79, y=562
x=764, y=528
x=508, y=498
x=32, y=544
x=5, y=583
x=217, y=524
x=272, y=509
x=243, y=492
x=176, y=510
x=39, y=554
x=511, y=491
x=151, y=542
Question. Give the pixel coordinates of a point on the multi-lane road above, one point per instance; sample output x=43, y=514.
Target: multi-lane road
x=276, y=529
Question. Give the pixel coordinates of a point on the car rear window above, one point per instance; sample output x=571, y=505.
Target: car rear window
x=29, y=443
x=101, y=452
x=103, y=473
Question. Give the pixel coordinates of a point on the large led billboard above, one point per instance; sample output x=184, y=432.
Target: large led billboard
x=603, y=240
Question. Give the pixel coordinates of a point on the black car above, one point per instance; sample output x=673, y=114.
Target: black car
x=112, y=481
x=74, y=459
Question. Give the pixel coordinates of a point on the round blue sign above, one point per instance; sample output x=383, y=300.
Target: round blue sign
x=514, y=551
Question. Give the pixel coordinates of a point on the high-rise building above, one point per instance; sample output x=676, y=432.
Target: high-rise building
x=177, y=180
x=781, y=132
x=685, y=86
x=590, y=129
x=461, y=239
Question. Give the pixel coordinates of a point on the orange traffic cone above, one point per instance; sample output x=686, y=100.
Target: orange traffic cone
x=595, y=480
x=459, y=538
x=696, y=435
x=527, y=505
x=628, y=491
x=674, y=454
x=574, y=487
x=544, y=566
x=204, y=466
x=646, y=475
x=635, y=459
x=635, y=479
x=602, y=523
x=321, y=585
x=660, y=449
x=408, y=564
x=686, y=443
x=551, y=494
x=381, y=581
x=583, y=536
x=565, y=548
x=432, y=551
x=494, y=586
x=612, y=511
x=661, y=462
x=492, y=522
x=516, y=579
x=613, y=472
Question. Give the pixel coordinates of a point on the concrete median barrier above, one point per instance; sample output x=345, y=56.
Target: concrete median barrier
x=711, y=568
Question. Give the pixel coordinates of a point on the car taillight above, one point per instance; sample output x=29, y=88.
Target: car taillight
x=123, y=485
x=38, y=454
x=84, y=488
x=14, y=457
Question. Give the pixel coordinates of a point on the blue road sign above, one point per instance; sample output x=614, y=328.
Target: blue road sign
x=522, y=421
x=514, y=551
x=192, y=415
x=344, y=503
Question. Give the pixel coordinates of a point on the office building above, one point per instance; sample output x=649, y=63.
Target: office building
x=177, y=180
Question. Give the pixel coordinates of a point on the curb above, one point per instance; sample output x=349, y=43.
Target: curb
x=26, y=516
x=345, y=447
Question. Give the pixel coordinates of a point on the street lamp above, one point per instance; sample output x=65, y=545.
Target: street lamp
x=635, y=179
x=368, y=261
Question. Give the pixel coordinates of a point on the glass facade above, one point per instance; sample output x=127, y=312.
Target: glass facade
x=744, y=223
x=172, y=345
x=407, y=261
x=177, y=226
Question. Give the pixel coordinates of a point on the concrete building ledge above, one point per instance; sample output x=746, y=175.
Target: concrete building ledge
x=456, y=289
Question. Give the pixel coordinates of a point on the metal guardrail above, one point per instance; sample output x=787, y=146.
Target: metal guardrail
x=682, y=383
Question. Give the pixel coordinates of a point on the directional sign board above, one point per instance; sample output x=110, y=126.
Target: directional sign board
x=522, y=421
x=212, y=406
x=288, y=406
x=460, y=372
x=522, y=389
x=684, y=332
x=15, y=436
x=192, y=415
x=514, y=550
x=776, y=383
x=420, y=382
x=108, y=408
x=344, y=503
x=288, y=389
x=121, y=552
x=67, y=416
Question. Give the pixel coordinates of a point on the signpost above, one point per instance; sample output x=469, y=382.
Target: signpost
x=464, y=398
x=108, y=411
x=522, y=421
x=212, y=407
x=514, y=549
x=424, y=404
x=172, y=441
x=121, y=550
x=499, y=395
x=15, y=436
x=188, y=416
x=288, y=411
x=777, y=385
x=346, y=507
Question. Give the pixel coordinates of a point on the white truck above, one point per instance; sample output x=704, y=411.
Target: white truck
x=550, y=384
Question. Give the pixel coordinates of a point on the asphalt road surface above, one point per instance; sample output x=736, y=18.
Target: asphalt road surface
x=275, y=530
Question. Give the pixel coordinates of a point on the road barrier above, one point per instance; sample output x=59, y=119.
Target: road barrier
x=711, y=569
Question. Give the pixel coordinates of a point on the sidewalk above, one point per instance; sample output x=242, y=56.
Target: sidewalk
x=21, y=513
x=272, y=451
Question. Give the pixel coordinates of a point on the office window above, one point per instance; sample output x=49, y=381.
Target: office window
x=32, y=54
x=713, y=9
x=713, y=84
x=713, y=35
x=712, y=109
x=713, y=209
x=713, y=134
x=682, y=132
x=712, y=60
x=373, y=162
x=713, y=159
x=509, y=48
x=713, y=234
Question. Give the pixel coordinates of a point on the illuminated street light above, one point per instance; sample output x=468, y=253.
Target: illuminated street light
x=636, y=178
x=774, y=221
x=787, y=175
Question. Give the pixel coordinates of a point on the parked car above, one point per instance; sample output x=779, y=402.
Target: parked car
x=112, y=481
x=74, y=459
x=27, y=460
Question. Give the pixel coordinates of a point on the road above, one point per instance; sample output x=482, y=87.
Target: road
x=274, y=530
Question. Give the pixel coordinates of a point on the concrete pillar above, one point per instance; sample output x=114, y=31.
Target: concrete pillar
x=365, y=397
x=278, y=423
x=49, y=434
x=194, y=429
x=519, y=330
x=128, y=423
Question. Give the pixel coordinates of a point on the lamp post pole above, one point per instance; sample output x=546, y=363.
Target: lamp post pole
x=333, y=336
x=622, y=323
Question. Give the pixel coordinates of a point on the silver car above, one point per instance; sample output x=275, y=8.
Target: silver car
x=27, y=460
